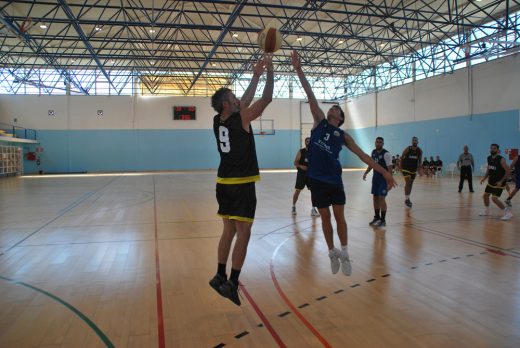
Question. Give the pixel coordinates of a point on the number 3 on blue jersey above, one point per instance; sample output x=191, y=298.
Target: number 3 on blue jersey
x=223, y=137
x=327, y=136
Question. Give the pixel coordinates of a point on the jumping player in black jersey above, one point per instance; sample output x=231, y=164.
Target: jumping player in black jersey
x=497, y=173
x=382, y=157
x=301, y=163
x=237, y=173
x=410, y=165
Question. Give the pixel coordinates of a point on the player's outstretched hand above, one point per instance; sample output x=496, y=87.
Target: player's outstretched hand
x=365, y=176
x=390, y=181
x=268, y=61
x=258, y=68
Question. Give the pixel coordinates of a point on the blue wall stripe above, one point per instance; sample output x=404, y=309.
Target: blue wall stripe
x=141, y=150
x=444, y=137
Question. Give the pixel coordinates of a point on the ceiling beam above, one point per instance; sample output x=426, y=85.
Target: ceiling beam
x=38, y=48
x=65, y=7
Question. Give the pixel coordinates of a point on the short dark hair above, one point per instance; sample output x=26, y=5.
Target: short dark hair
x=498, y=147
x=218, y=98
x=380, y=138
x=341, y=113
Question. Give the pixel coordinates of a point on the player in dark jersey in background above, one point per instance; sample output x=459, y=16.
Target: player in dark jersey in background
x=382, y=157
x=433, y=168
x=410, y=165
x=497, y=173
x=324, y=172
x=301, y=162
x=425, y=166
x=515, y=167
x=237, y=173
x=438, y=165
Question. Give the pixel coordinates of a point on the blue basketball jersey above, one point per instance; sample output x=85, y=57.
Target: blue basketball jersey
x=379, y=158
x=326, y=143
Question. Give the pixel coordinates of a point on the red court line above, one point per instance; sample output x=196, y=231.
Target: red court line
x=290, y=304
x=158, y=292
x=262, y=317
x=497, y=252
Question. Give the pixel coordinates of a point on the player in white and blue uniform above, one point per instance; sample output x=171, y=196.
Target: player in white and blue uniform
x=325, y=170
x=515, y=172
x=382, y=157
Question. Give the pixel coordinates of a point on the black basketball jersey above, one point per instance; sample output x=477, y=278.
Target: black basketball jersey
x=238, y=162
x=304, y=161
x=495, y=170
x=411, y=160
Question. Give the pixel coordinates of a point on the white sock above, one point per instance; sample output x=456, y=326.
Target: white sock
x=407, y=197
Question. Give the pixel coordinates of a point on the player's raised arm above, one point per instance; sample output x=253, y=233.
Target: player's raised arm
x=258, y=70
x=317, y=114
x=256, y=109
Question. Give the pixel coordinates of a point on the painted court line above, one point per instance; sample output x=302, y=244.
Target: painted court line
x=73, y=309
x=293, y=308
x=266, y=322
x=158, y=291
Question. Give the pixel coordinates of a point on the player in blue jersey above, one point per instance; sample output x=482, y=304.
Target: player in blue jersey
x=382, y=157
x=324, y=171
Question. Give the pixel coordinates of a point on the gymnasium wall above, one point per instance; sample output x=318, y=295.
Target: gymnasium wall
x=138, y=133
x=476, y=106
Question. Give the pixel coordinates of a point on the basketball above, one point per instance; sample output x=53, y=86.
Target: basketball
x=269, y=40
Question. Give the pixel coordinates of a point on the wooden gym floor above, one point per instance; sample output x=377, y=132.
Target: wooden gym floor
x=124, y=261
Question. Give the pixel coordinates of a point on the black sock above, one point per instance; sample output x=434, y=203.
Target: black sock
x=377, y=213
x=221, y=269
x=234, y=276
x=383, y=215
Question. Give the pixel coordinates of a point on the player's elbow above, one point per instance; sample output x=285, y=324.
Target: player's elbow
x=267, y=99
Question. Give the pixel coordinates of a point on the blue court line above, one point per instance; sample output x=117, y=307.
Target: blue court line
x=61, y=213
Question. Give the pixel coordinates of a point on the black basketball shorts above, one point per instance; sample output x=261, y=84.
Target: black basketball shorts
x=324, y=194
x=237, y=201
x=494, y=190
x=409, y=172
x=301, y=181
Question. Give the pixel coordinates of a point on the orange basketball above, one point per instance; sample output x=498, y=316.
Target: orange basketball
x=269, y=40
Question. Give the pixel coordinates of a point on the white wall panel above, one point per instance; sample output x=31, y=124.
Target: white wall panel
x=442, y=96
x=496, y=85
x=395, y=105
x=361, y=112
x=125, y=112
x=495, y=88
x=32, y=111
x=117, y=112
